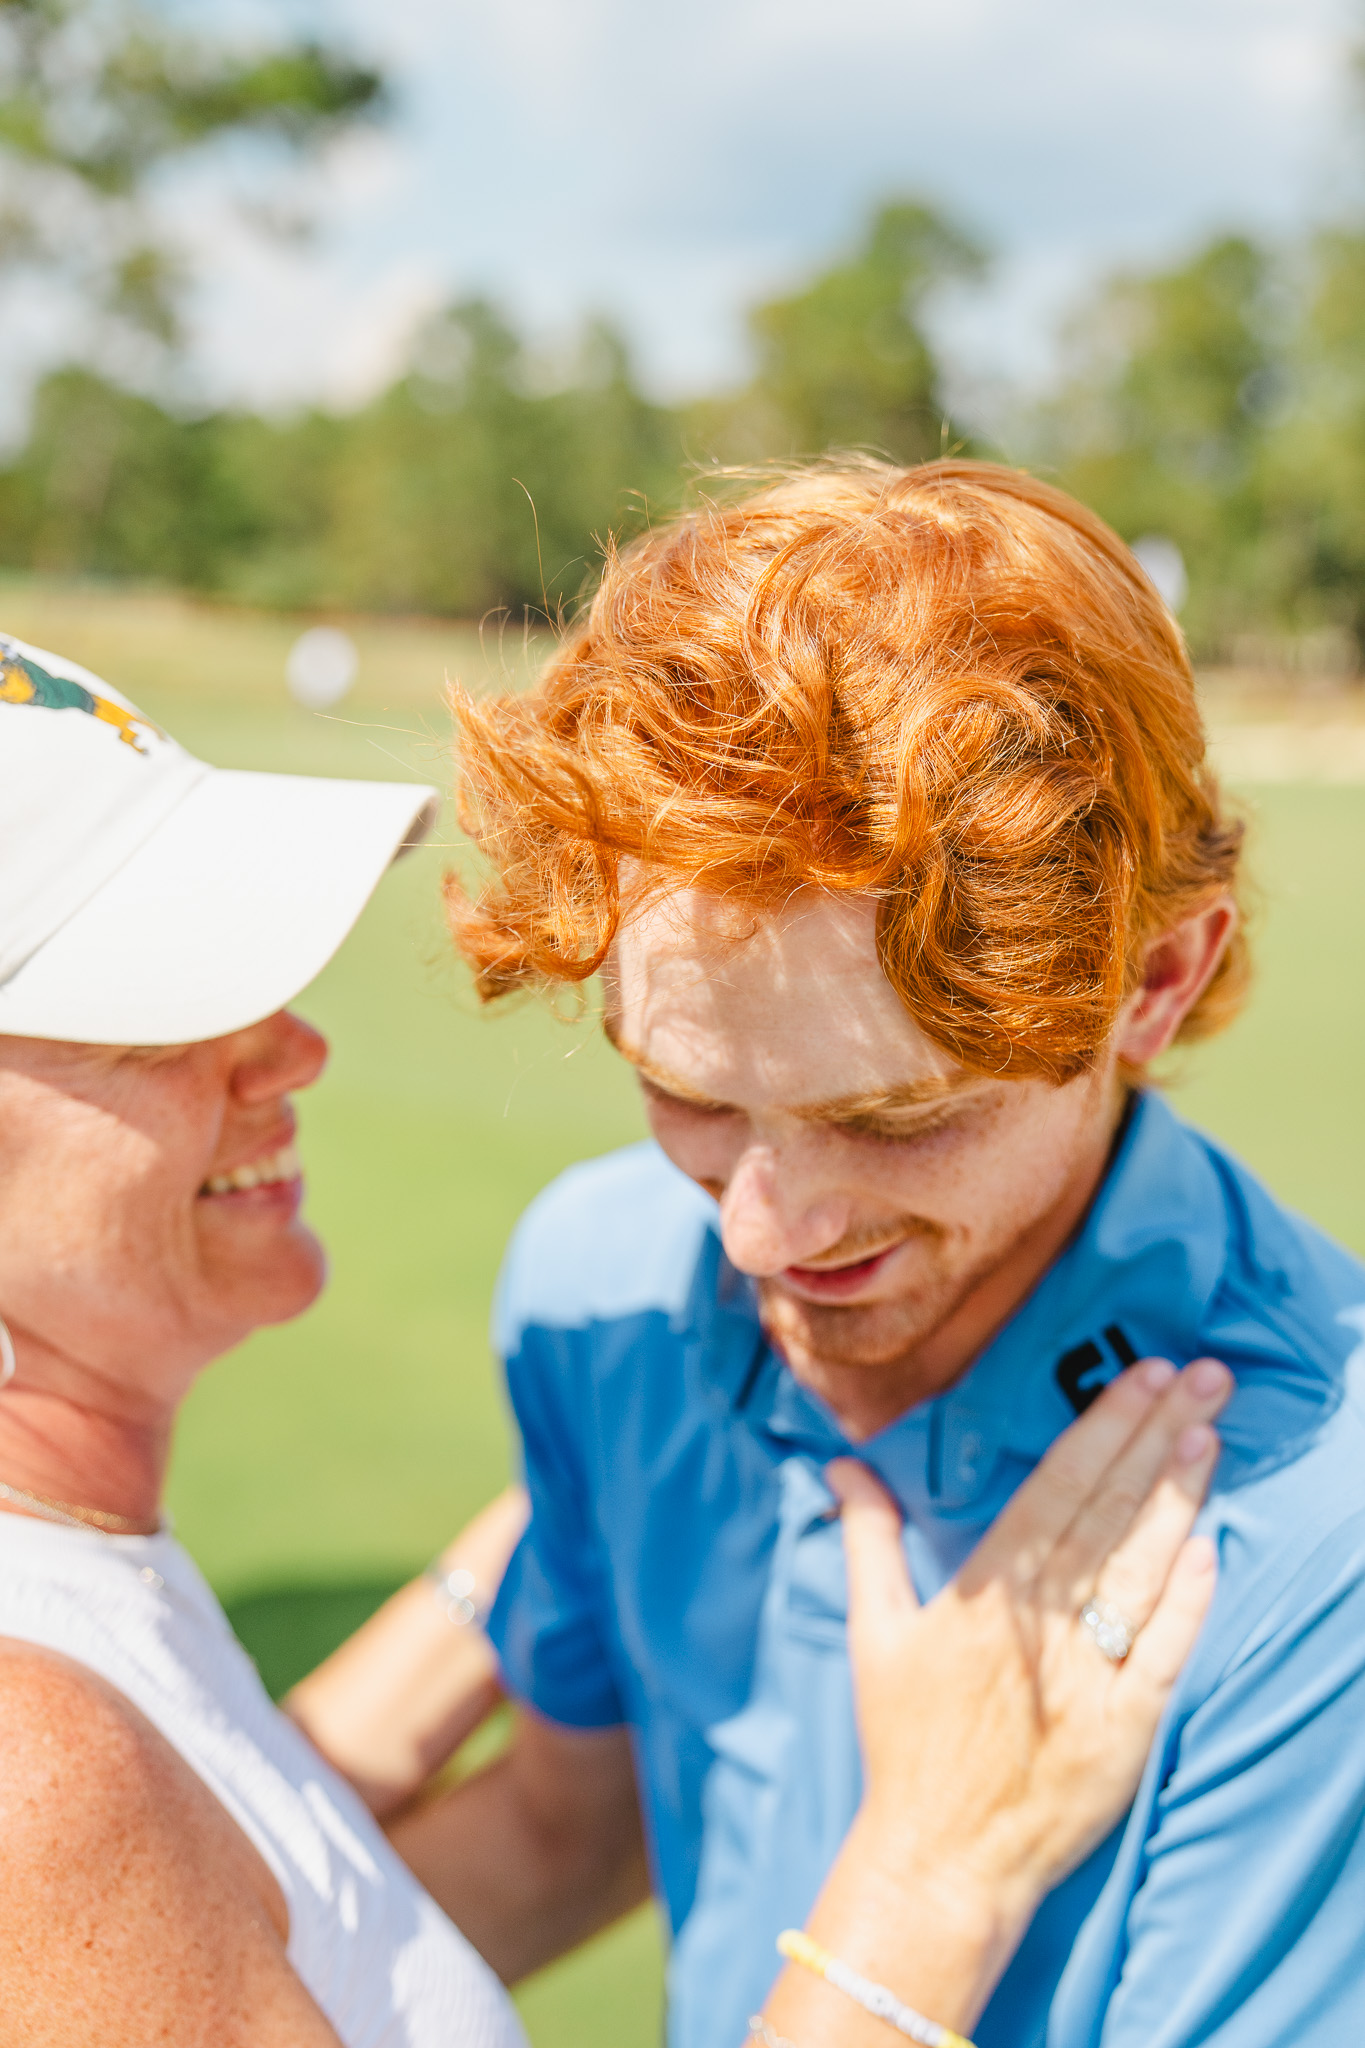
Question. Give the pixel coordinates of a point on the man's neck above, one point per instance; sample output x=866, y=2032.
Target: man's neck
x=868, y=1398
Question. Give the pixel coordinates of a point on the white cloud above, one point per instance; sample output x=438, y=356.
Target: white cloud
x=275, y=331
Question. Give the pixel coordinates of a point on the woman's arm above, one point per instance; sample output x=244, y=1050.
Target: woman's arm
x=135, y=1909
x=530, y=1855
x=399, y=1697
x=1000, y=1745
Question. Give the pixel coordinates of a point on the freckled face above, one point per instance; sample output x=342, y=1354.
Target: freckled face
x=149, y=1206
x=873, y=1188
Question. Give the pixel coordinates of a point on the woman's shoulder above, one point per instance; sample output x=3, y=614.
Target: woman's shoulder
x=56, y=1711
x=129, y=1891
x=83, y=1771
x=81, y=1763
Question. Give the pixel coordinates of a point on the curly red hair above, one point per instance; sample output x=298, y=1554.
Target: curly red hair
x=951, y=687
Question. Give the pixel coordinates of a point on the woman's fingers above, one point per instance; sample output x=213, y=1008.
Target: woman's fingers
x=879, y=1586
x=1191, y=1400
x=1155, y=1660
x=1047, y=1503
x=1134, y=1574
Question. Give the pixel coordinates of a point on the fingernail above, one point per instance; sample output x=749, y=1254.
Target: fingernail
x=1200, y=1555
x=1157, y=1373
x=1209, y=1377
x=1193, y=1443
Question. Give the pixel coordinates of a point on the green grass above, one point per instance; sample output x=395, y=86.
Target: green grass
x=1285, y=1087
x=326, y=1460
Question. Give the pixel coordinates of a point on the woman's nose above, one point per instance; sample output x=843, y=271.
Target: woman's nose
x=276, y=1056
x=773, y=1216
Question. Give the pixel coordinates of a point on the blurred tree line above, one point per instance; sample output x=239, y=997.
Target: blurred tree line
x=479, y=479
x=1218, y=403
x=1221, y=403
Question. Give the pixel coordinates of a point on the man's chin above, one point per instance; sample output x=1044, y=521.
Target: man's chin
x=875, y=1333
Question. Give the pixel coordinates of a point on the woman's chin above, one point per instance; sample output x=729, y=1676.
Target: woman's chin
x=268, y=1281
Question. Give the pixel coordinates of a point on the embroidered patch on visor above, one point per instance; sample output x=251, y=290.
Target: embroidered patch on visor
x=23, y=682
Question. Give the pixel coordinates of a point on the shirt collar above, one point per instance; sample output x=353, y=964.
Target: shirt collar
x=1139, y=1276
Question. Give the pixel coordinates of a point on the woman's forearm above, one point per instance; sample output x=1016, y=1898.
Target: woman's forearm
x=399, y=1697
x=939, y=1937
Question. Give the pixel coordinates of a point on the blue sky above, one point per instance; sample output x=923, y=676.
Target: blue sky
x=669, y=165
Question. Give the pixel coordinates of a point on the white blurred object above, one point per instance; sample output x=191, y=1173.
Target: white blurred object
x=1163, y=564
x=321, y=667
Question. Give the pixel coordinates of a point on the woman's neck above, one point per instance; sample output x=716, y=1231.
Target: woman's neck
x=61, y=1449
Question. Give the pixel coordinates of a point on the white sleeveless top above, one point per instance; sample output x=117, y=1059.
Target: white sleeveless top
x=373, y=1948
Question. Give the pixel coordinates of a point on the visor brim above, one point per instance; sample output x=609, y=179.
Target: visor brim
x=235, y=903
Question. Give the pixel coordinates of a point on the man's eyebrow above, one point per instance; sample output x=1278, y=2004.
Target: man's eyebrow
x=671, y=1084
x=883, y=1101
x=837, y=1109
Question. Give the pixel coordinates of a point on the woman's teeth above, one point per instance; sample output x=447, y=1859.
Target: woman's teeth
x=260, y=1173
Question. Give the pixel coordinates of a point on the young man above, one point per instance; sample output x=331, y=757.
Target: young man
x=880, y=800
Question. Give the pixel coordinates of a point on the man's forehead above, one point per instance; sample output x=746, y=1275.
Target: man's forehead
x=720, y=949
x=793, y=1005
x=874, y=1100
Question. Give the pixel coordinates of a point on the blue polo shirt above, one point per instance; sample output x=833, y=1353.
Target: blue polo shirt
x=680, y=1576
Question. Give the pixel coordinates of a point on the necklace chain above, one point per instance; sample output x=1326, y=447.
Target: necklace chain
x=73, y=1517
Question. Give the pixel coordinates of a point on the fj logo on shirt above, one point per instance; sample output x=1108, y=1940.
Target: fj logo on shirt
x=1085, y=1371
x=23, y=682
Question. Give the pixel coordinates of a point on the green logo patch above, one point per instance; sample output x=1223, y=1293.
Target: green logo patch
x=23, y=682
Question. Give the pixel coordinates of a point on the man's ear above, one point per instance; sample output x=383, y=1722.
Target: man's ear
x=1178, y=968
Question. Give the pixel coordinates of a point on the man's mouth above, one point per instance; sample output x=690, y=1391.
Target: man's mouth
x=270, y=1170
x=836, y=1283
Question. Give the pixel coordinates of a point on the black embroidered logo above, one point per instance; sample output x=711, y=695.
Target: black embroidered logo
x=1085, y=1371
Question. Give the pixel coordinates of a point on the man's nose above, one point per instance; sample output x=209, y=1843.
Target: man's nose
x=774, y=1215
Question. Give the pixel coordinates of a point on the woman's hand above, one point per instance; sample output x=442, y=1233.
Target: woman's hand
x=997, y=1737
x=1000, y=1744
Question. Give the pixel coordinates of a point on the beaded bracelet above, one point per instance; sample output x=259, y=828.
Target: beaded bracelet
x=874, y=1998
x=759, y=2030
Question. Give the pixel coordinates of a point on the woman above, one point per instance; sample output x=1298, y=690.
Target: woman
x=180, y=1862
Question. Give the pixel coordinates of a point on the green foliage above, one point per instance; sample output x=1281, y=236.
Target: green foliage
x=110, y=483
x=1314, y=462
x=1219, y=403
x=479, y=480
x=465, y=488
x=1161, y=426
x=107, y=92
x=96, y=97
x=845, y=363
x=460, y=490
x=1222, y=403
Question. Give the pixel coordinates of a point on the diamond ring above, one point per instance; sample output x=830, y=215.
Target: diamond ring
x=1110, y=1627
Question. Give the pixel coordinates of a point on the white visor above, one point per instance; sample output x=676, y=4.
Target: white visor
x=147, y=899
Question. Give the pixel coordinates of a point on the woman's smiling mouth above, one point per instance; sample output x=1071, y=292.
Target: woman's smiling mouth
x=270, y=1170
